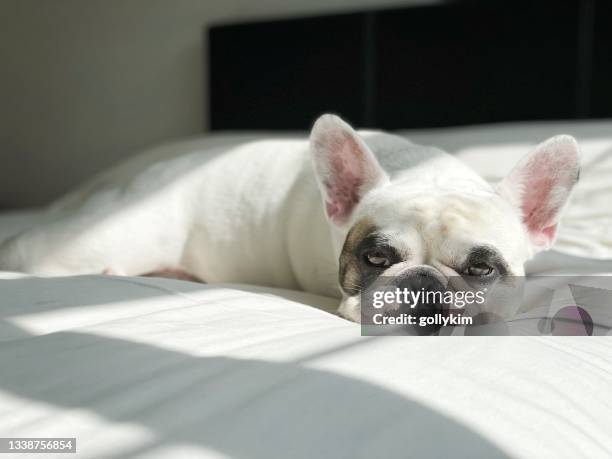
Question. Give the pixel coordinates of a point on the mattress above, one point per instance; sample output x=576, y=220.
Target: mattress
x=152, y=368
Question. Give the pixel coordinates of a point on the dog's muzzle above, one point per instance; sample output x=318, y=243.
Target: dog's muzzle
x=424, y=280
x=432, y=285
x=420, y=289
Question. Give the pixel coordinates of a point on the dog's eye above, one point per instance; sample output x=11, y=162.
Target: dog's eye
x=480, y=270
x=377, y=258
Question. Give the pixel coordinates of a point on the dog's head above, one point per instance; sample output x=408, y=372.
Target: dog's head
x=437, y=219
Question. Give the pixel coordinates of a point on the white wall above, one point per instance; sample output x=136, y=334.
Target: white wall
x=83, y=83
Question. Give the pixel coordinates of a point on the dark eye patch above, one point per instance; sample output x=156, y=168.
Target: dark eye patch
x=377, y=242
x=374, y=242
x=349, y=275
x=355, y=274
x=486, y=255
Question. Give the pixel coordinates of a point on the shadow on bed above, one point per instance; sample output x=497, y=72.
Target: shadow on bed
x=23, y=296
x=240, y=408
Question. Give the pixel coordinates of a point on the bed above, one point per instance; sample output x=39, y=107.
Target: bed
x=153, y=368
x=147, y=367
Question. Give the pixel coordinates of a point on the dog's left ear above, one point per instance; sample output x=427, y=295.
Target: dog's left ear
x=540, y=185
x=345, y=167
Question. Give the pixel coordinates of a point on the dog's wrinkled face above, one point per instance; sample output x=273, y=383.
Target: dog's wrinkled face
x=390, y=222
x=443, y=237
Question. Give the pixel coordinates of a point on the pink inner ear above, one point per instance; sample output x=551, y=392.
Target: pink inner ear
x=537, y=213
x=550, y=232
x=545, y=181
x=347, y=176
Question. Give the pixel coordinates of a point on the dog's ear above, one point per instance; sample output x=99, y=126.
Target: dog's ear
x=540, y=185
x=344, y=166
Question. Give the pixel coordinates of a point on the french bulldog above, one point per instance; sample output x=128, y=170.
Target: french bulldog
x=328, y=216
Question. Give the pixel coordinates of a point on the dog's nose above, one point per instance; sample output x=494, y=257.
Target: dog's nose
x=430, y=300
x=422, y=279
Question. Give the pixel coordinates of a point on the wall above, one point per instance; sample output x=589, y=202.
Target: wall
x=83, y=83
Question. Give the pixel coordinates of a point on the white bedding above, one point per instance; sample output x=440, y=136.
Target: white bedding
x=142, y=367
x=160, y=368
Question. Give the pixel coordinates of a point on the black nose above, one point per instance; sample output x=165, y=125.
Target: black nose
x=422, y=279
x=430, y=301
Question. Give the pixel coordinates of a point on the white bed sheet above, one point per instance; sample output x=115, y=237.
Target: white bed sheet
x=159, y=368
x=142, y=367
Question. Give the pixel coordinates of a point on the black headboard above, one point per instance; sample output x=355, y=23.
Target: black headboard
x=456, y=63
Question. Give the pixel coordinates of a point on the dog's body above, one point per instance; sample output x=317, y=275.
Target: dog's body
x=247, y=214
x=254, y=213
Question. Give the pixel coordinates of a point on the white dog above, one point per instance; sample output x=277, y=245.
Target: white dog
x=260, y=213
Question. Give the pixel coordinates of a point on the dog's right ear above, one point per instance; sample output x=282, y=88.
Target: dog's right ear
x=540, y=185
x=345, y=167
